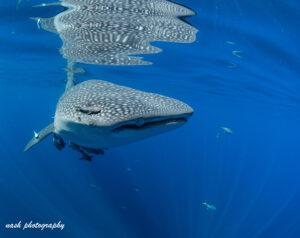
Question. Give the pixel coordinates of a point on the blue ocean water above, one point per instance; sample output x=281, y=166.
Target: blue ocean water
x=242, y=73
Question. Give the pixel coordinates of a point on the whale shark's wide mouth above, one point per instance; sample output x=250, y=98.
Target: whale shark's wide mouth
x=142, y=124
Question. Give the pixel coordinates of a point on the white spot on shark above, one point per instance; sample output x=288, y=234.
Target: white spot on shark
x=36, y=135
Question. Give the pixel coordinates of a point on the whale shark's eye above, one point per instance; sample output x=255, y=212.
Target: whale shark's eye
x=89, y=110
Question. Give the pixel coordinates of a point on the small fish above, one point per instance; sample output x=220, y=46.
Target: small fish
x=209, y=206
x=237, y=53
x=227, y=130
x=231, y=65
x=230, y=42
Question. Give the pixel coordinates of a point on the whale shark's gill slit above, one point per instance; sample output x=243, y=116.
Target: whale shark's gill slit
x=150, y=124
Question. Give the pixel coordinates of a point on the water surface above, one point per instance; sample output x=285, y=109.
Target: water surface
x=242, y=72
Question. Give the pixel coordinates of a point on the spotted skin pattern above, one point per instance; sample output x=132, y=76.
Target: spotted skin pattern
x=101, y=103
x=111, y=32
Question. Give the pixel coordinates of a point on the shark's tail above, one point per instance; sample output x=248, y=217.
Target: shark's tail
x=38, y=137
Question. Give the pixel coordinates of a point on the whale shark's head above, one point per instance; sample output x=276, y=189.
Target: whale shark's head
x=100, y=114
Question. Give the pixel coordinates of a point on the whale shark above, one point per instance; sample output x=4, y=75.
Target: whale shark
x=95, y=115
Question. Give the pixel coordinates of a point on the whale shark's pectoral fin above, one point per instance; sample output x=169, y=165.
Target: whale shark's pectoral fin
x=39, y=136
x=46, y=24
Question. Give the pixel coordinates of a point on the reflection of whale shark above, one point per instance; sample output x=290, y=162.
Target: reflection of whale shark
x=95, y=114
x=112, y=31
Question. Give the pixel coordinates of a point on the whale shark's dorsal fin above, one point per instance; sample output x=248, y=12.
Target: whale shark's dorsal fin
x=39, y=136
x=70, y=75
